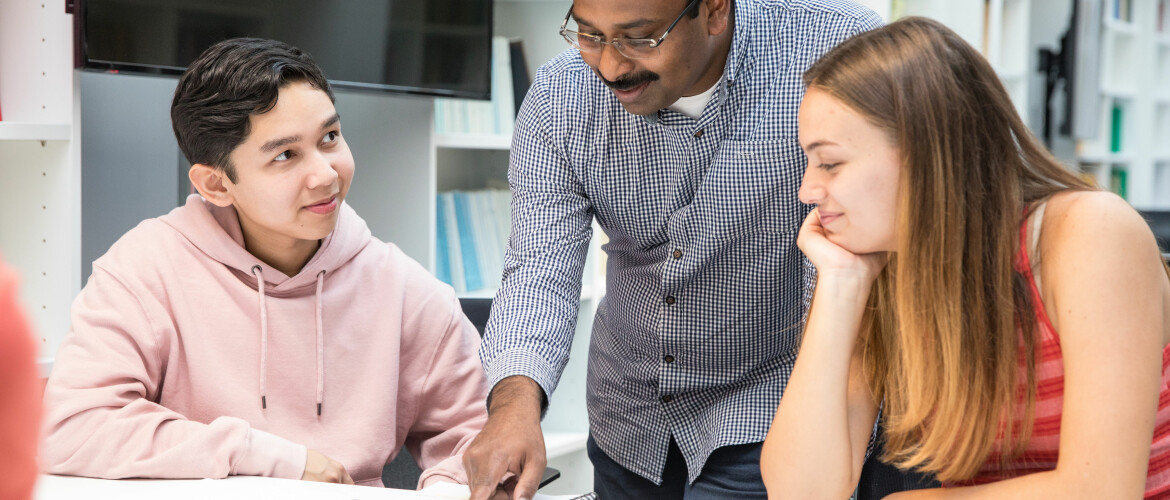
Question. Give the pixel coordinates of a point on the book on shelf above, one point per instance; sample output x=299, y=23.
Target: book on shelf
x=1161, y=28
x=442, y=261
x=475, y=227
x=451, y=240
x=468, y=243
x=1123, y=10
x=1162, y=15
x=1116, y=119
x=520, y=77
x=1118, y=180
x=495, y=116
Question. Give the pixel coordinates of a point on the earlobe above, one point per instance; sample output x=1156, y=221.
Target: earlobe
x=211, y=183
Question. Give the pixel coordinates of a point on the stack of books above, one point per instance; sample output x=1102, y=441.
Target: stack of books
x=471, y=233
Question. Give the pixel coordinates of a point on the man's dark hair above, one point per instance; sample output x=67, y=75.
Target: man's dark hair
x=228, y=83
x=694, y=12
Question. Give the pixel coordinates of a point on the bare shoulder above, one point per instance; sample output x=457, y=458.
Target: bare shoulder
x=1090, y=229
x=1079, y=216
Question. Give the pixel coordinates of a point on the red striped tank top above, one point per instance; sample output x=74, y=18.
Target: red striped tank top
x=1042, y=450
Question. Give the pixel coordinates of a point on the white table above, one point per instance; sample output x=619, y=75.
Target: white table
x=51, y=487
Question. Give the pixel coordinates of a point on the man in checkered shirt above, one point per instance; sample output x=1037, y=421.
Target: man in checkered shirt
x=672, y=123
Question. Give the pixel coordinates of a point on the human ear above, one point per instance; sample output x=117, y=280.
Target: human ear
x=718, y=16
x=212, y=184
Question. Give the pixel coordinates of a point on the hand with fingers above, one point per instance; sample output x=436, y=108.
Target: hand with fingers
x=321, y=468
x=511, y=443
x=832, y=259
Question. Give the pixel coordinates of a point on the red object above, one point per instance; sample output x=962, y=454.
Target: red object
x=20, y=406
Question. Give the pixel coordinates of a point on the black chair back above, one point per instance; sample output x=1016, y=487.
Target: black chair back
x=1159, y=221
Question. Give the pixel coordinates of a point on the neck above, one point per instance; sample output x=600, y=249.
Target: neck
x=287, y=255
x=717, y=63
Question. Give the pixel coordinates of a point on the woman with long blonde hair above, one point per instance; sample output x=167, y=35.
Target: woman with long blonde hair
x=1010, y=321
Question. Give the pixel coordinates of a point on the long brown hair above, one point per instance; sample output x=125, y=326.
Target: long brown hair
x=942, y=334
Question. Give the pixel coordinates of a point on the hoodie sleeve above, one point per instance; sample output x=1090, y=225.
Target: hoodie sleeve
x=450, y=404
x=102, y=415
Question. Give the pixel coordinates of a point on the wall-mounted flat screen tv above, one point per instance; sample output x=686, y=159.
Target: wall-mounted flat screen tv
x=437, y=47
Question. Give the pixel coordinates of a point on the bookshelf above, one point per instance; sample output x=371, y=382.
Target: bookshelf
x=1000, y=29
x=40, y=233
x=1131, y=153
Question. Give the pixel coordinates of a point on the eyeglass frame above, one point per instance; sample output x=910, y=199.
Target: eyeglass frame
x=616, y=42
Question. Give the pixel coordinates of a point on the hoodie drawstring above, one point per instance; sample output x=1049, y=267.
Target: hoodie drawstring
x=320, y=344
x=257, y=271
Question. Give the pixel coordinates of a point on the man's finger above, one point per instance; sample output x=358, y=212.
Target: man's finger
x=529, y=480
x=485, y=480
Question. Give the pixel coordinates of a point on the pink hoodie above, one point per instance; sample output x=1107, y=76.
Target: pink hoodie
x=181, y=364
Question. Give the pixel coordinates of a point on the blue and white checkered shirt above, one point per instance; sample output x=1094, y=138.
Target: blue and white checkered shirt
x=700, y=323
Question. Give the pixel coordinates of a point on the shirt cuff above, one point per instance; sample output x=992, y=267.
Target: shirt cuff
x=269, y=455
x=524, y=362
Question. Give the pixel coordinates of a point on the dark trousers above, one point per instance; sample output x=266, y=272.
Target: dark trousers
x=731, y=472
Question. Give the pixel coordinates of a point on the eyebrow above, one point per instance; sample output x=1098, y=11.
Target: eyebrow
x=272, y=145
x=637, y=23
x=820, y=143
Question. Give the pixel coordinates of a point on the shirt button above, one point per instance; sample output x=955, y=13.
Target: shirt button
x=676, y=253
x=667, y=398
x=668, y=359
x=669, y=300
x=698, y=133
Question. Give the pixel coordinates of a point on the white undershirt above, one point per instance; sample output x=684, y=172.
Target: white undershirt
x=693, y=106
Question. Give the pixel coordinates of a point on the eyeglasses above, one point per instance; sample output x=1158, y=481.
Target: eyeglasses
x=632, y=48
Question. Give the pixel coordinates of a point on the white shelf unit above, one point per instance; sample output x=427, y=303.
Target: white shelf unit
x=26, y=131
x=1131, y=153
x=998, y=28
x=1006, y=47
x=40, y=232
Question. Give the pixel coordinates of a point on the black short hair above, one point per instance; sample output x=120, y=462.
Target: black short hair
x=231, y=81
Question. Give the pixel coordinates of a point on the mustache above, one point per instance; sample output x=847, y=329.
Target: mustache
x=628, y=82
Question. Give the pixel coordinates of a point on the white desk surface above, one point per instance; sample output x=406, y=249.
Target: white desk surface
x=51, y=487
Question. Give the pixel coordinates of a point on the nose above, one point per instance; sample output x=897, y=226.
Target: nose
x=611, y=63
x=812, y=189
x=321, y=171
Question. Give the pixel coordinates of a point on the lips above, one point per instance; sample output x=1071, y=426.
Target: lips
x=829, y=217
x=325, y=206
x=630, y=94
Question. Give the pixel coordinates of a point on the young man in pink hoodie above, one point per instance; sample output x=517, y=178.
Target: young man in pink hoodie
x=260, y=329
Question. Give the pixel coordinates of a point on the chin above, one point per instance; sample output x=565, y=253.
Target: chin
x=640, y=109
x=319, y=232
x=856, y=247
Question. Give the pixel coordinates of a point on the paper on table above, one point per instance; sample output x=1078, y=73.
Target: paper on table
x=235, y=487
x=51, y=487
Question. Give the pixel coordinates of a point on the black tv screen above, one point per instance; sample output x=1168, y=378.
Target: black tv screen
x=438, y=47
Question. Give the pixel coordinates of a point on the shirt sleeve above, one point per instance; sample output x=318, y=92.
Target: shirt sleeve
x=102, y=417
x=535, y=311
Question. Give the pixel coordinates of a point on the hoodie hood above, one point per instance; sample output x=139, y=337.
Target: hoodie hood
x=216, y=232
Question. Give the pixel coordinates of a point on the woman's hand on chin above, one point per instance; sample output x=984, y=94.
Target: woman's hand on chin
x=833, y=261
